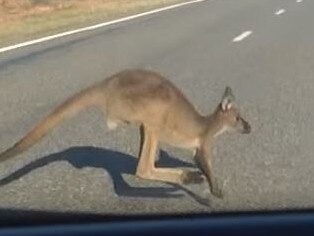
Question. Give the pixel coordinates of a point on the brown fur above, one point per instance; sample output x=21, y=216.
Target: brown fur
x=161, y=110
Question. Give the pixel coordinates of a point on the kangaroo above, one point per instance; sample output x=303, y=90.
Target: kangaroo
x=162, y=112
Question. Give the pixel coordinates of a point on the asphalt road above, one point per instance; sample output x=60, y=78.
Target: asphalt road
x=83, y=167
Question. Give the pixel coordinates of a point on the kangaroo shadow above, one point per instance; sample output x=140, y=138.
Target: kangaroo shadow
x=116, y=164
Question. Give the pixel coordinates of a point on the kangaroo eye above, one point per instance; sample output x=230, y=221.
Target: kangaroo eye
x=237, y=118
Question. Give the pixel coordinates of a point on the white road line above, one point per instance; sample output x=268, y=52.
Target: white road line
x=299, y=1
x=279, y=12
x=93, y=27
x=242, y=36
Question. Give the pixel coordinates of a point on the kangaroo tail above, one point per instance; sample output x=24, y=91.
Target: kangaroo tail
x=70, y=107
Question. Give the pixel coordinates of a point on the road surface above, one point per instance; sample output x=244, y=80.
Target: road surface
x=263, y=49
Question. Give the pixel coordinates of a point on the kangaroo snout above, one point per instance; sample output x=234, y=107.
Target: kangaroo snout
x=246, y=127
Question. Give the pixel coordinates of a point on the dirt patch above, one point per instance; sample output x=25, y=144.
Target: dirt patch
x=22, y=20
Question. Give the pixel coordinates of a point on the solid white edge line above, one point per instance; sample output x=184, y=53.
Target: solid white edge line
x=92, y=27
x=242, y=36
x=279, y=12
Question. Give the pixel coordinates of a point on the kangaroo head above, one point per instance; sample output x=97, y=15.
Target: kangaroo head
x=229, y=116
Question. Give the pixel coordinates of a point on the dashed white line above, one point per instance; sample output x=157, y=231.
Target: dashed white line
x=242, y=36
x=280, y=12
x=299, y=1
x=93, y=27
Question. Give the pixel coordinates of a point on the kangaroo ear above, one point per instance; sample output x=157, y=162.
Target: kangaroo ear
x=227, y=99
